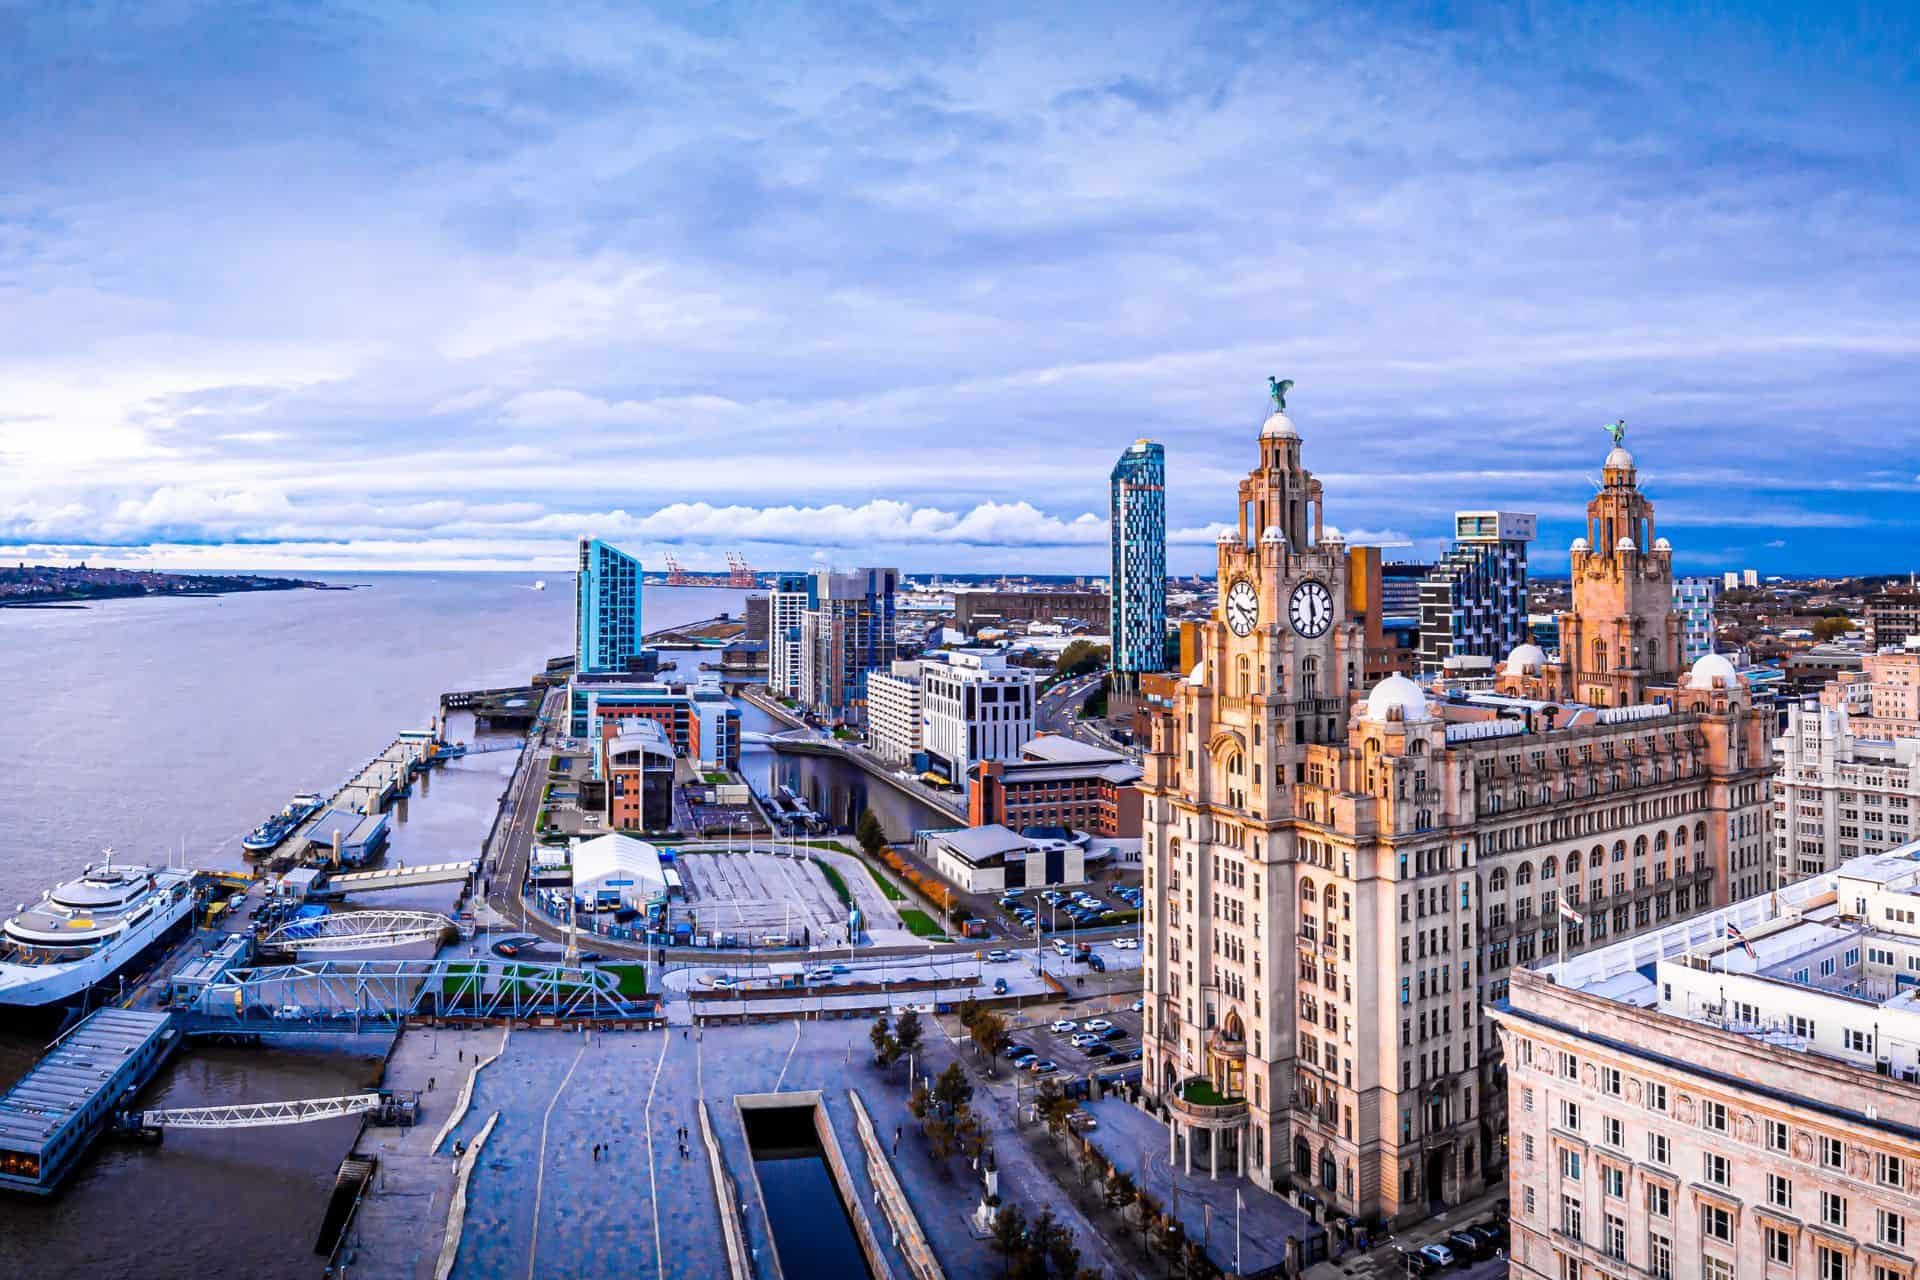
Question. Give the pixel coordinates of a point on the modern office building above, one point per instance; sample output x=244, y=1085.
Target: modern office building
x=1474, y=601
x=786, y=613
x=974, y=707
x=846, y=632
x=1058, y=781
x=1334, y=890
x=637, y=764
x=1731, y=1096
x=607, y=591
x=700, y=724
x=894, y=712
x=1693, y=600
x=1892, y=616
x=1837, y=796
x=1138, y=532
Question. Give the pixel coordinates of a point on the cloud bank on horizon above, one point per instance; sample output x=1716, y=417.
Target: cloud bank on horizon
x=365, y=286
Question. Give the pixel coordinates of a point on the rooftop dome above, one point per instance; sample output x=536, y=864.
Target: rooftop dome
x=1580, y=544
x=1226, y=535
x=1618, y=457
x=1524, y=656
x=1661, y=544
x=1625, y=544
x=1279, y=427
x=1397, y=694
x=1272, y=534
x=1713, y=670
x=1197, y=676
x=1333, y=536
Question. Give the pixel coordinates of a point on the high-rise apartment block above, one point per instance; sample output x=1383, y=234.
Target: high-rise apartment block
x=894, y=730
x=1892, y=616
x=1138, y=623
x=1693, y=600
x=786, y=613
x=1474, y=601
x=607, y=591
x=1730, y=1096
x=1333, y=891
x=1837, y=796
x=846, y=632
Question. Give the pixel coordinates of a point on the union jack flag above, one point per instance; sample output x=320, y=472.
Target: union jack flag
x=1734, y=935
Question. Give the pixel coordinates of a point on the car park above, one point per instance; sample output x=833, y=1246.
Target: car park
x=1438, y=1254
x=1098, y=1049
x=1096, y=1024
x=1064, y=1026
x=1082, y=1040
x=1114, y=1033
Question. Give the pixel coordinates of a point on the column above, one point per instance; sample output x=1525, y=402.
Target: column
x=1213, y=1155
x=1173, y=1139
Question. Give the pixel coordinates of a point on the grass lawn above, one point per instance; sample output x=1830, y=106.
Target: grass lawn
x=893, y=891
x=834, y=879
x=716, y=779
x=920, y=924
x=631, y=977
x=1202, y=1094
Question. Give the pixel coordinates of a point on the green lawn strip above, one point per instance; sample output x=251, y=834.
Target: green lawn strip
x=893, y=891
x=834, y=879
x=1201, y=1093
x=920, y=924
x=715, y=779
x=632, y=978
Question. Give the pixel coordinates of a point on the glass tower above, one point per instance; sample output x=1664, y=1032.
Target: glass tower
x=606, y=615
x=1138, y=620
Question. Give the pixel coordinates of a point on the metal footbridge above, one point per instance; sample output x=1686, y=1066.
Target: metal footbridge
x=356, y=931
x=255, y=1115
x=348, y=997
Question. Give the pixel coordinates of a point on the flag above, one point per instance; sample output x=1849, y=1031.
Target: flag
x=1734, y=935
x=1572, y=913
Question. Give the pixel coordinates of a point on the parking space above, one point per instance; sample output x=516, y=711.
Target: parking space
x=1068, y=909
x=1109, y=1039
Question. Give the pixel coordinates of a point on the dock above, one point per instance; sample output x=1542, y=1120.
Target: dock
x=50, y=1118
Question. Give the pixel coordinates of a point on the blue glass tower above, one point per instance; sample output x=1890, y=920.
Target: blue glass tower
x=1139, y=536
x=606, y=608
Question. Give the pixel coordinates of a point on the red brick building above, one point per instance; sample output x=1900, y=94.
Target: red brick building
x=1057, y=782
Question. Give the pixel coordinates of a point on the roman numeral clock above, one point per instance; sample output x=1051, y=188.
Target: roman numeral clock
x=1310, y=609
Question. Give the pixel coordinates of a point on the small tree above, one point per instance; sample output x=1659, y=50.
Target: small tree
x=952, y=1090
x=871, y=835
x=972, y=1138
x=1009, y=1235
x=1194, y=1261
x=1062, y=1252
x=1148, y=1205
x=989, y=1032
x=943, y=1139
x=920, y=1103
x=1053, y=1106
x=907, y=1034
x=1120, y=1190
x=885, y=1047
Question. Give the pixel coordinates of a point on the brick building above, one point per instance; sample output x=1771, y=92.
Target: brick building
x=1057, y=782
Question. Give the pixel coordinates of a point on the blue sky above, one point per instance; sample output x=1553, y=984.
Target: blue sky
x=393, y=286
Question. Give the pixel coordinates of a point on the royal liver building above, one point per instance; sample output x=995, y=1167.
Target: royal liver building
x=1338, y=883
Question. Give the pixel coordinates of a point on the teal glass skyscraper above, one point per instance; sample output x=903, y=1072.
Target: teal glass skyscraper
x=1139, y=537
x=606, y=608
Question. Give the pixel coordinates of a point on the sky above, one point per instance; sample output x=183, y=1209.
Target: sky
x=331, y=286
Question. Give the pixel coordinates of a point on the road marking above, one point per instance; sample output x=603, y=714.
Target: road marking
x=540, y=1179
x=789, y=1062
x=653, y=1180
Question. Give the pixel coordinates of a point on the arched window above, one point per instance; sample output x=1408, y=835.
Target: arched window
x=1497, y=882
x=1679, y=837
x=1550, y=868
x=1619, y=850
x=1524, y=876
x=1640, y=847
x=1244, y=676
x=1660, y=842
x=1309, y=896
x=1573, y=863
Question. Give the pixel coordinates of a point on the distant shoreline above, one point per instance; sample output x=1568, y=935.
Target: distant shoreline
x=50, y=587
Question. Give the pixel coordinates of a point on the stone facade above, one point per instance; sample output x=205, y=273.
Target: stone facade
x=1334, y=890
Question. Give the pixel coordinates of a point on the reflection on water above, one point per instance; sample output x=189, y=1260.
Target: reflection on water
x=839, y=792
x=808, y=1219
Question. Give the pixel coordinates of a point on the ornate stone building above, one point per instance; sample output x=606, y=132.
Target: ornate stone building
x=1336, y=885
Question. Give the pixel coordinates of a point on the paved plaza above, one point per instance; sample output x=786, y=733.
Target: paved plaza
x=760, y=894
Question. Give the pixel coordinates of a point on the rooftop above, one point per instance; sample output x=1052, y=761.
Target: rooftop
x=1829, y=965
x=66, y=1079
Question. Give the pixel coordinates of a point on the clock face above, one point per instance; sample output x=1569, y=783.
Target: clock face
x=1243, y=607
x=1311, y=609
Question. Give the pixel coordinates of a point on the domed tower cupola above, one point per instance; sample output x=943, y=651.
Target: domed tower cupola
x=1281, y=494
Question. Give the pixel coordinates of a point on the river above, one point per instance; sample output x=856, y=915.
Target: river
x=163, y=726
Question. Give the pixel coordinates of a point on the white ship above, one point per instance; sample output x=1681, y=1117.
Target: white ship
x=84, y=932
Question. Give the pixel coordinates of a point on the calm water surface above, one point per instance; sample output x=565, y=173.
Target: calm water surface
x=176, y=725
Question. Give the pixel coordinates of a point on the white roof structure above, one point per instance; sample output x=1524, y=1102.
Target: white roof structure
x=1713, y=670
x=1278, y=427
x=1397, y=698
x=1524, y=656
x=629, y=867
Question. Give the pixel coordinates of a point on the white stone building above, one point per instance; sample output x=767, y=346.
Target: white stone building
x=973, y=708
x=1836, y=795
x=1735, y=1095
x=894, y=712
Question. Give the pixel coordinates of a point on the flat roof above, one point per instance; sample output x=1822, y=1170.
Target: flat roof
x=68, y=1077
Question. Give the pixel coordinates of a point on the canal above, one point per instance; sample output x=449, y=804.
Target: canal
x=811, y=1229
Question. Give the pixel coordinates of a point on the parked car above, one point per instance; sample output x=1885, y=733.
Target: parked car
x=1130, y=1055
x=1098, y=1049
x=820, y=975
x=1081, y=1120
x=1013, y=1051
x=1114, y=1033
x=1138, y=1005
x=591, y=957
x=1044, y=1066
x=1063, y=1026
x=999, y=986
x=999, y=956
x=1438, y=1254
x=1468, y=1245
x=1095, y=1024
x=1082, y=1040
x=1096, y=964
x=1494, y=1233
x=1126, y=944
x=725, y=983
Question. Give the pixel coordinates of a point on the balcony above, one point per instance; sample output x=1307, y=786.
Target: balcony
x=1200, y=1102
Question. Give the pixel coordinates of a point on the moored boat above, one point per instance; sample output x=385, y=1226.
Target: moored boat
x=270, y=834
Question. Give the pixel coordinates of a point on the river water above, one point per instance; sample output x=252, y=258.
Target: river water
x=158, y=725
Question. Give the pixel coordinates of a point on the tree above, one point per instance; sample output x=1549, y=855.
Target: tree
x=943, y=1139
x=1194, y=1261
x=989, y=1032
x=1831, y=628
x=885, y=1047
x=1120, y=1191
x=920, y=1102
x=952, y=1090
x=1079, y=658
x=907, y=1034
x=973, y=1138
x=1054, y=1106
x=871, y=835
x=1148, y=1205
x=1009, y=1235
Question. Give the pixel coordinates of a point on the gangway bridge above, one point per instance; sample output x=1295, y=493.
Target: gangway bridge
x=255, y=1115
x=398, y=877
x=350, y=997
x=356, y=931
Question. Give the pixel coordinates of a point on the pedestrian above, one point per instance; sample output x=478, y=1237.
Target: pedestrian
x=429, y=1084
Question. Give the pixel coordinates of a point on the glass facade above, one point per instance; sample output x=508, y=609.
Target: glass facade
x=606, y=608
x=1138, y=620
x=1693, y=599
